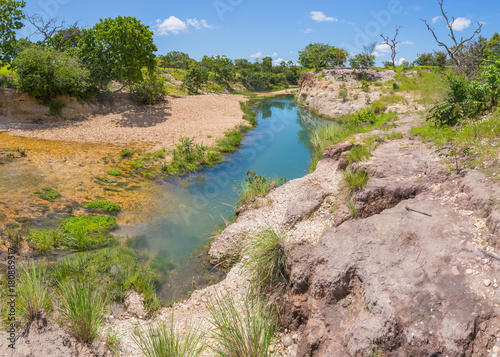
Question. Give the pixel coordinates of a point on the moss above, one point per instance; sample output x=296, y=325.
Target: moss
x=102, y=206
x=114, y=172
x=48, y=194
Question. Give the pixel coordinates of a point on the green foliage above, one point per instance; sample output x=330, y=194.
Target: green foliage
x=162, y=263
x=355, y=180
x=195, y=78
x=365, y=115
x=48, y=194
x=158, y=340
x=378, y=107
x=365, y=85
x=439, y=59
x=102, y=206
x=428, y=86
x=114, y=270
x=11, y=16
x=84, y=308
x=114, y=172
x=241, y=328
x=359, y=153
x=175, y=59
x=343, y=95
x=87, y=232
x=249, y=115
x=231, y=141
x=265, y=259
x=45, y=73
x=127, y=153
x=117, y=49
x=320, y=55
x=362, y=61
x=45, y=240
x=151, y=89
x=33, y=296
x=255, y=186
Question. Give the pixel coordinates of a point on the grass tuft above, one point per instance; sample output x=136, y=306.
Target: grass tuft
x=158, y=340
x=355, y=180
x=241, y=328
x=256, y=186
x=102, y=206
x=32, y=293
x=84, y=307
x=48, y=194
x=265, y=259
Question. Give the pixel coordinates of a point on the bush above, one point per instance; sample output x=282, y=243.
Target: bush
x=45, y=73
x=151, y=89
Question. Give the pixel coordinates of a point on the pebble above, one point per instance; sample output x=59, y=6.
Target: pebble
x=487, y=282
x=271, y=349
x=496, y=349
x=287, y=341
x=469, y=272
x=295, y=337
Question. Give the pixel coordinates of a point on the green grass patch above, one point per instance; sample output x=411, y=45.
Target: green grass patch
x=393, y=136
x=359, y=153
x=255, y=186
x=48, y=194
x=355, y=180
x=393, y=99
x=428, y=85
x=102, y=206
x=113, y=270
x=114, y=172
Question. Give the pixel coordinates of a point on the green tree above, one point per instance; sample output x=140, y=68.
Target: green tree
x=321, y=55
x=11, y=17
x=65, y=39
x=176, y=59
x=492, y=50
x=196, y=76
x=118, y=49
x=45, y=73
x=362, y=61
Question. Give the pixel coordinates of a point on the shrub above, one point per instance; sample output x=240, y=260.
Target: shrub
x=159, y=340
x=127, y=153
x=241, y=328
x=343, y=95
x=84, y=307
x=32, y=293
x=45, y=73
x=151, y=89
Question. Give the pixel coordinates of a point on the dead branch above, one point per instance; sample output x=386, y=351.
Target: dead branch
x=392, y=44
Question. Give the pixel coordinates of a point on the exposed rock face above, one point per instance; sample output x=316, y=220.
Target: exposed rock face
x=321, y=91
x=20, y=107
x=394, y=280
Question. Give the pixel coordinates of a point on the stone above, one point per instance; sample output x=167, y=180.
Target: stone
x=469, y=272
x=487, y=282
x=287, y=341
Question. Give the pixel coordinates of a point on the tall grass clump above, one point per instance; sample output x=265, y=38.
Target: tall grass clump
x=255, y=186
x=355, y=180
x=325, y=136
x=88, y=232
x=83, y=306
x=359, y=153
x=265, y=259
x=241, y=328
x=33, y=296
x=158, y=340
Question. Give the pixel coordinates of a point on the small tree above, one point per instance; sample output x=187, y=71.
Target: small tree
x=392, y=44
x=366, y=59
x=321, y=55
x=457, y=47
x=10, y=21
x=196, y=76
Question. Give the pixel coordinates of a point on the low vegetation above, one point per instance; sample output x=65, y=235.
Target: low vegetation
x=159, y=340
x=33, y=296
x=355, y=180
x=48, y=194
x=102, y=206
x=241, y=326
x=255, y=186
x=83, y=306
x=265, y=259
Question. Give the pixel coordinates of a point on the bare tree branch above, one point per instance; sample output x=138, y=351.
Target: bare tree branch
x=392, y=44
x=46, y=28
x=454, y=50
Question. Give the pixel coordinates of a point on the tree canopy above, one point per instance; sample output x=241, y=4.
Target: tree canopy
x=11, y=16
x=321, y=55
x=118, y=49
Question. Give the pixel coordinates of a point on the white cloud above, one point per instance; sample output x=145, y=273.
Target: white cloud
x=171, y=25
x=407, y=43
x=274, y=54
x=319, y=16
x=278, y=61
x=436, y=19
x=460, y=24
x=292, y=52
x=199, y=24
x=174, y=25
x=378, y=54
x=385, y=48
x=401, y=60
x=309, y=30
x=256, y=55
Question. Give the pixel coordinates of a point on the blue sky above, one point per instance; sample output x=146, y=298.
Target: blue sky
x=280, y=28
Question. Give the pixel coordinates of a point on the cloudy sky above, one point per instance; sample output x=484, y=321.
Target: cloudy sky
x=280, y=28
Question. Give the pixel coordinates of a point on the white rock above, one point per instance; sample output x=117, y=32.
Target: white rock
x=287, y=341
x=496, y=349
x=469, y=272
x=487, y=282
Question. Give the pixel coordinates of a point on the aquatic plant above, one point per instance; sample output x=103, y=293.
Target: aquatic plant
x=102, y=206
x=48, y=194
x=114, y=172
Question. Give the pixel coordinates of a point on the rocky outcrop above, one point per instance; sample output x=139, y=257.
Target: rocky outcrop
x=20, y=107
x=339, y=91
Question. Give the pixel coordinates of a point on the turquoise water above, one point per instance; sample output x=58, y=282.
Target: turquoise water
x=197, y=204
